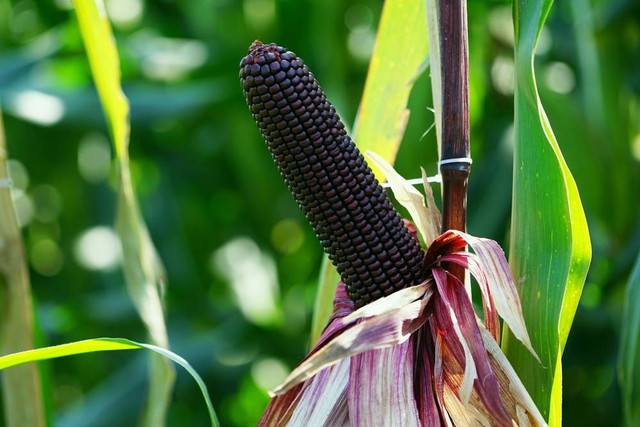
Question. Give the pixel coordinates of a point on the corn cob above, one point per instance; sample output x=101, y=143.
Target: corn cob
x=366, y=239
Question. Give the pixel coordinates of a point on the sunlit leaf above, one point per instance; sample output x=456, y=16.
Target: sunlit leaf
x=106, y=344
x=434, y=58
x=322, y=308
x=550, y=249
x=142, y=266
x=383, y=115
x=105, y=67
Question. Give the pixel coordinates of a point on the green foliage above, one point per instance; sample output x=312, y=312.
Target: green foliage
x=105, y=66
x=204, y=179
x=105, y=344
x=143, y=269
x=323, y=305
x=629, y=359
x=550, y=249
x=383, y=114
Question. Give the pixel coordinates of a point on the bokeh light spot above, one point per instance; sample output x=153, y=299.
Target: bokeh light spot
x=501, y=25
x=18, y=175
x=361, y=42
x=269, y=373
x=64, y=4
x=124, y=13
x=98, y=248
x=545, y=42
x=503, y=75
x=559, y=77
x=24, y=207
x=37, y=107
x=358, y=15
x=237, y=356
x=168, y=59
x=94, y=157
x=253, y=279
x=259, y=13
x=46, y=257
x=287, y=236
x=48, y=202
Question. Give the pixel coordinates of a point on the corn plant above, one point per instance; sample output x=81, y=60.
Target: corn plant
x=399, y=334
x=301, y=130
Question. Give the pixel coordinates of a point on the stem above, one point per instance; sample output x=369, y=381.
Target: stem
x=21, y=387
x=455, y=115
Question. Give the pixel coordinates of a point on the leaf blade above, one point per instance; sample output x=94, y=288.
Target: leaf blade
x=105, y=67
x=550, y=249
x=629, y=355
x=16, y=319
x=142, y=266
x=105, y=344
x=382, y=117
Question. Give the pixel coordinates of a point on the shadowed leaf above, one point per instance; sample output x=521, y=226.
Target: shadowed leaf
x=629, y=358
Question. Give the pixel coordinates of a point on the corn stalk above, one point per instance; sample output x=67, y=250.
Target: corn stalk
x=21, y=388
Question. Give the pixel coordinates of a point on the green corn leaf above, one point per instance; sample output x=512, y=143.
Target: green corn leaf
x=16, y=317
x=383, y=114
x=328, y=282
x=629, y=358
x=105, y=344
x=142, y=266
x=105, y=67
x=550, y=249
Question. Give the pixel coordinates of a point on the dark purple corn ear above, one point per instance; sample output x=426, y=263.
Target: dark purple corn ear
x=363, y=234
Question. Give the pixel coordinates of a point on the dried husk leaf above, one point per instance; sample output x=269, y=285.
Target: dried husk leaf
x=381, y=390
x=390, y=303
x=500, y=281
x=385, y=330
x=323, y=400
x=407, y=195
x=434, y=212
x=514, y=394
x=453, y=310
x=470, y=373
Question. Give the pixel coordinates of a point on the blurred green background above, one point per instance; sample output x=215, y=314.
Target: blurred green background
x=242, y=263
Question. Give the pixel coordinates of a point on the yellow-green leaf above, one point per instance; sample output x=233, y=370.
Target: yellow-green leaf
x=105, y=67
x=323, y=307
x=550, y=249
x=105, y=344
x=399, y=55
x=142, y=266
